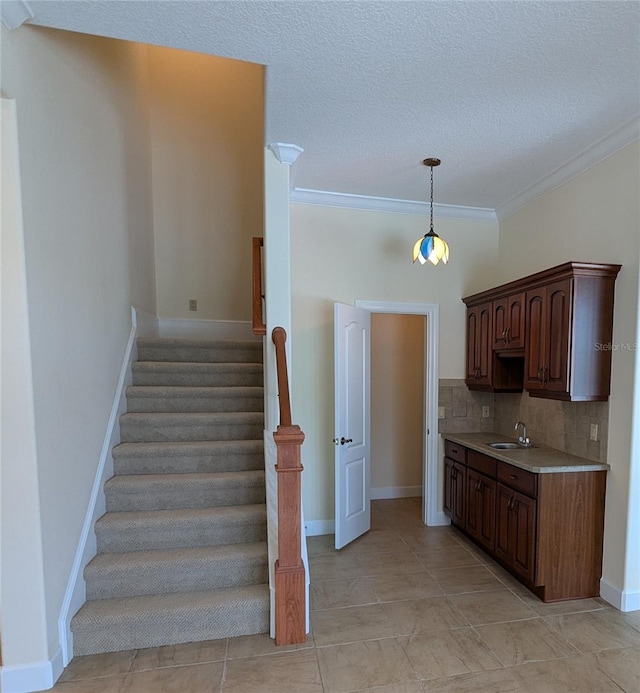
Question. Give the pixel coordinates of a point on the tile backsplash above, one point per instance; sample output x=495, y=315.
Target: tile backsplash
x=560, y=425
x=463, y=408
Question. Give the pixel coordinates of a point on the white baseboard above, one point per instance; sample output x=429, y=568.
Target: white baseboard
x=316, y=528
x=212, y=329
x=385, y=492
x=75, y=595
x=35, y=676
x=621, y=599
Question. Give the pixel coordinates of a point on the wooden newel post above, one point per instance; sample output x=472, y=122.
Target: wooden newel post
x=289, y=569
x=289, y=572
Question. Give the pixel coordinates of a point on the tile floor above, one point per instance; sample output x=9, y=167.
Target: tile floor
x=404, y=609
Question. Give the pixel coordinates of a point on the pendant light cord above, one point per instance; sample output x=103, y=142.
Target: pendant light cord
x=431, y=226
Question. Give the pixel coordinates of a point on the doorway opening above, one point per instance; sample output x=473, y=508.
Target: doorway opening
x=431, y=515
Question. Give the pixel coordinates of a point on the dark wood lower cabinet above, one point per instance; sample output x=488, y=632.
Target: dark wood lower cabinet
x=481, y=504
x=546, y=529
x=516, y=531
x=455, y=497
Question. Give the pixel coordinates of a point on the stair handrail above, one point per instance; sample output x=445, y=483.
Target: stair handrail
x=257, y=319
x=290, y=588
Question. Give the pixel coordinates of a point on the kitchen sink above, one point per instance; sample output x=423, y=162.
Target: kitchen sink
x=505, y=446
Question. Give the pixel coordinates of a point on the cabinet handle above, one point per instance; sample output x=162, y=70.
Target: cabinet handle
x=541, y=375
x=454, y=450
x=545, y=375
x=513, y=476
x=478, y=486
x=507, y=335
x=504, y=335
x=511, y=502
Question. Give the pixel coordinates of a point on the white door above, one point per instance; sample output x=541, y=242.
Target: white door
x=352, y=349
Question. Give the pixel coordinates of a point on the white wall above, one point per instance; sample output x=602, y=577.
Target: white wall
x=345, y=255
x=397, y=402
x=207, y=135
x=595, y=218
x=85, y=159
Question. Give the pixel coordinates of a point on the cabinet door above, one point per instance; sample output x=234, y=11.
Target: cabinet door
x=508, y=322
x=483, y=344
x=556, y=376
x=516, y=531
x=515, y=312
x=523, y=535
x=535, y=342
x=481, y=507
x=504, y=497
x=458, y=495
x=500, y=323
x=472, y=345
x=448, y=479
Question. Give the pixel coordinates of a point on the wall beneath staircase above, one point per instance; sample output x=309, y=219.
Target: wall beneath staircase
x=85, y=162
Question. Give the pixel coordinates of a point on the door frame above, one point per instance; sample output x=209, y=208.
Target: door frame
x=431, y=515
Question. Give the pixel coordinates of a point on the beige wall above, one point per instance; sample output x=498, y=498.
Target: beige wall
x=207, y=135
x=595, y=218
x=345, y=255
x=85, y=160
x=397, y=400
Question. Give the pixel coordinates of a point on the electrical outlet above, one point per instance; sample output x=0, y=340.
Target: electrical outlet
x=193, y=305
x=486, y=413
x=441, y=412
x=594, y=432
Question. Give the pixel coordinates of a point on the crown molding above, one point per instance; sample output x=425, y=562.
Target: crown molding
x=285, y=153
x=388, y=204
x=15, y=13
x=597, y=152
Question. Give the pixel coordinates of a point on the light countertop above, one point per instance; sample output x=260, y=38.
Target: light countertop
x=537, y=459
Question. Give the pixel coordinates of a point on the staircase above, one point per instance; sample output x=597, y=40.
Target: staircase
x=182, y=553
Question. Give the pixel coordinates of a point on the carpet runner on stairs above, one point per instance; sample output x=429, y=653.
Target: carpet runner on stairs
x=182, y=553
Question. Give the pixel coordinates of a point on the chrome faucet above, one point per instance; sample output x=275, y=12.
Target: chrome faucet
x=522, y=439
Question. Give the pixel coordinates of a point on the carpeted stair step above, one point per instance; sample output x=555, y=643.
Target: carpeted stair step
x=155, y=427
x=175, y=491
x=199, y=350
x=112, y=625
x=187, y=458
x=117, y=575
x=118, y=532
x=170, y=399
x=182, y=374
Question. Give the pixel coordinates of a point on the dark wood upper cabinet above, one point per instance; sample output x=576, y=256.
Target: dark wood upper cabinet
x=508, y=322
x=479, y=357
x=559, y=320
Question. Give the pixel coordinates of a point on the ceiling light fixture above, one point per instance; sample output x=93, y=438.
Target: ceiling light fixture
x=431, y=247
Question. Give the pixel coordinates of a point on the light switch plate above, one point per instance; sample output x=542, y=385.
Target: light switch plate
x=441, y=412
x=594, y=432
x=486, y=412
x=193, y=305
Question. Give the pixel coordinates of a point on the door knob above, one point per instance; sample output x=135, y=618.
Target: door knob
x=344, y=440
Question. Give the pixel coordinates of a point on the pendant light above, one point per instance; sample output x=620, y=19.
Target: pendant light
x=431, y=247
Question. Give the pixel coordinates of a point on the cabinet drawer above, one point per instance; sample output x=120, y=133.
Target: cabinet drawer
x=455, y=452
x=482, y=463
x=518, y=479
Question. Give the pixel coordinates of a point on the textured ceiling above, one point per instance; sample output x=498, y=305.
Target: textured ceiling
x=505, y=93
